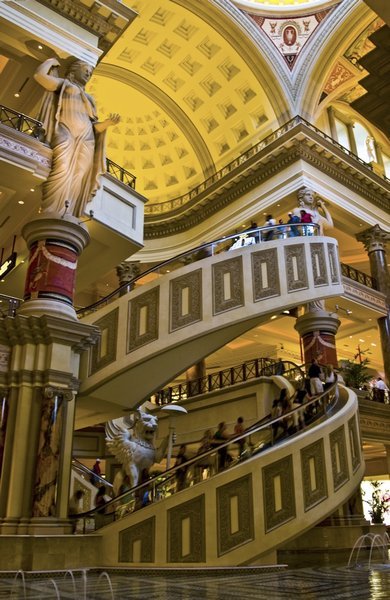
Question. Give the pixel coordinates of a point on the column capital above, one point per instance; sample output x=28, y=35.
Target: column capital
x=50, y=392
x=374, y=238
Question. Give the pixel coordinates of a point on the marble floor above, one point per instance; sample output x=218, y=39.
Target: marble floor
x=310, y=584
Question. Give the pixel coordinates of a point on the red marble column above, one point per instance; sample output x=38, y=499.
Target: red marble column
x=48, y=455
x=55, y=245
x=318, y=336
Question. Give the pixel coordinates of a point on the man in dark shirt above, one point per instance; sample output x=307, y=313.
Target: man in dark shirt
x=314, y=373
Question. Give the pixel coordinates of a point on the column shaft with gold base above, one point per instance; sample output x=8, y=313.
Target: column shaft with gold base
x=42, y=379
x=375, y=240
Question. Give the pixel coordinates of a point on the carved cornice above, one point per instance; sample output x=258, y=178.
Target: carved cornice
x=374, y=420
x=21, y=330
x=108, y=28
x=25, y=151
x=257, y=167
x=41, y=379
x=364, y=295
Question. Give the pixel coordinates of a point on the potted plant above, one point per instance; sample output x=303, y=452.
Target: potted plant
x=379, y=503
x=356, y=374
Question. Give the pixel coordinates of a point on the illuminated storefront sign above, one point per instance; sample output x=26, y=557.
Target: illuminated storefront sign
x=7, y=266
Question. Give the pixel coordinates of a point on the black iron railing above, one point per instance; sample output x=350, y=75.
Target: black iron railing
x=20, y=122
x=120, y=173
x=231, y=167
x=25, y=124
x=246, y=371
x=358, y=276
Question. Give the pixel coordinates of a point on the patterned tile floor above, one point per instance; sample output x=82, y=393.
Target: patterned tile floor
x=310, y=584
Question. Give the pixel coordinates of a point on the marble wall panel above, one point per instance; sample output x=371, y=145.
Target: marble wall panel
x=265, y=274
x=235, y=514
x=186, y=300
x=228, y=285
x=186, y=532
x=296, y=268
x=354, y=441
x=143, y=319
x=279, y=493
x=334, y=263
x=104, y=353
x=313, y=474
x=318, y=263
x=144, y=534
x=338, y=451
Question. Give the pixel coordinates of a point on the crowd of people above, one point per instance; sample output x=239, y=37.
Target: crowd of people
x=284, y=419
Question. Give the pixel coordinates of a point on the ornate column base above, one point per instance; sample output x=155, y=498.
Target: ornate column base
x=318, y=330
x=35, y=526
x=55, y=243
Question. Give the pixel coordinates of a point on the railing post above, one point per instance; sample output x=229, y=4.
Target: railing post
x=244, y=372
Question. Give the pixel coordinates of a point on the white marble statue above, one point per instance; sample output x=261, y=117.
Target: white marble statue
x=131, y=440
x=68, y=115
x=313, y=205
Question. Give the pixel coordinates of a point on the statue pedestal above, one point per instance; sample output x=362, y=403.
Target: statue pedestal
x=55, y=244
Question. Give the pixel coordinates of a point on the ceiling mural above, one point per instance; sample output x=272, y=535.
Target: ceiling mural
x=289, y=35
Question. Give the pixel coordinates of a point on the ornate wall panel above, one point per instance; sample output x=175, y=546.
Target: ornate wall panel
x=143, y=319
x=104, y=353
x=354, y=441
x=265, y=274
x=279, y=493
x=144, y=533
x=318, y=263
x=338, y=450
x=334, y=263
x=296, y=267
x=313, y=474
x=235, y=529
x=186, y=300
x=193, y=513
x=228, y=285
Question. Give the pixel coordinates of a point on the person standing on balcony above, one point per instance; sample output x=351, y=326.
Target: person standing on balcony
x=293, y=229
x=379, y=390
x=68, y=115
x=270, y=222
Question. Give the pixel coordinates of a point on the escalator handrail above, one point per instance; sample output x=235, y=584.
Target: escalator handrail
x=170, y=473
x=194, y=251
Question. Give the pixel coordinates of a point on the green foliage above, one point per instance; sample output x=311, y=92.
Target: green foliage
x=379, y=503
x=356, y=374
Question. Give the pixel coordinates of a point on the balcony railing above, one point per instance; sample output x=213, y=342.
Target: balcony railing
x=175, y=203
x=358, y=276
x=9, y=305
x=120, y=173
x=20, y=122
x=254, y=440
x=23, y=123
x=246, y=371
x=225, y=244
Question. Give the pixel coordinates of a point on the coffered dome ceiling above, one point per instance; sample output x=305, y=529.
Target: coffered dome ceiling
x=191, y=99
x=198, y=83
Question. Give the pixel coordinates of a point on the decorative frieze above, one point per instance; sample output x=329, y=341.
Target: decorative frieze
x=265, y=274
x=186, y=532
x=235, y=514
x=228, y=288
x=186, y=300
x=338, y=451
x=137, y=543
x=314, y=474
x=279, y=493
x=143, y=319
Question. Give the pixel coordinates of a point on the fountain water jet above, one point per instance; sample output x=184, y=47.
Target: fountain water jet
x=372, y=541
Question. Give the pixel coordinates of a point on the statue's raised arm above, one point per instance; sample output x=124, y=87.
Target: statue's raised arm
x=77, y=138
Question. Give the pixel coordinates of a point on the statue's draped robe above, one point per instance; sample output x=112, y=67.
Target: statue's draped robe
x=78, y=158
